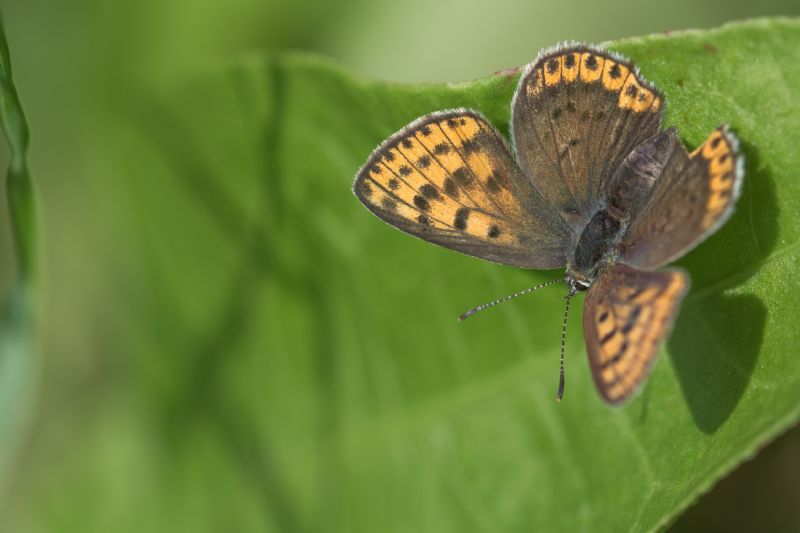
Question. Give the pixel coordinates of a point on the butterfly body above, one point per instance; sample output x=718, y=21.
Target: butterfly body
x=595, y=243
x=629, y=189
x=592, y=185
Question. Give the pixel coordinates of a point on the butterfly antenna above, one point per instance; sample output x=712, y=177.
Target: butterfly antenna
x=529, y=290
x=560, y=393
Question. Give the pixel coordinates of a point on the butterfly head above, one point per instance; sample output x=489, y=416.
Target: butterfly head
x=577, y=282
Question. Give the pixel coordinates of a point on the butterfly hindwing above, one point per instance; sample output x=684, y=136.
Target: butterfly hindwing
x=626, y=317
x=450, y=179
x=633, y=182
x=694, y=196
x=577, y=112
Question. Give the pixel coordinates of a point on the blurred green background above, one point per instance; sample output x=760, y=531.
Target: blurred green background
x=81, y=67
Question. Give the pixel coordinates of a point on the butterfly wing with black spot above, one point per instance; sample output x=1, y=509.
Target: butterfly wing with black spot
x=449, y=178
x=577, y=113
x=695, y=194
x=627, y=316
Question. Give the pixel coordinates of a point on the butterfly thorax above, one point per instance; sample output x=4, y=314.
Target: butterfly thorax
x=595, y=243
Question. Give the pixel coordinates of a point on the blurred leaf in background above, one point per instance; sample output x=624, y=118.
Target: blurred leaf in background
x=232, y=342
x=18, y=348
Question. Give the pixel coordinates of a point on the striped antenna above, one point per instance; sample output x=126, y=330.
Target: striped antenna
x=572, y=290
x=529, y=290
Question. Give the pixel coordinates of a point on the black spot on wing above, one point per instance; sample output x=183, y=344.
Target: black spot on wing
x=424, y=161
x=494, y=232
x=394, y=184
x=622, y=349
x=405, y=170
x=460, y=221
x=450, y=188
x=631, y=321
x=610, y=362
x=636, y=292
x=429, y=191
x=607, y=337
x=441, y=149
x=469, y=146
x=462, y=176
x=616, y=357
x=569, y=60
x=366, y=189
x=591, y=63
x=388, y=204
x=421, y=203
x=615, y=72
x=491, y=185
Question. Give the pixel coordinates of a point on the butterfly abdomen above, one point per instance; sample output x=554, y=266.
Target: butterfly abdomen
x=594, y=242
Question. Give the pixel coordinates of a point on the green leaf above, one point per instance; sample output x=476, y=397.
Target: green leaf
x=18, y=362
x=293, y=364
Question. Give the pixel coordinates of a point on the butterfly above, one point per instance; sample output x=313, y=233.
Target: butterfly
x=596, y=187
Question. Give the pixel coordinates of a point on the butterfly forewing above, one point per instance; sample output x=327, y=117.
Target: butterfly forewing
x=577, y=113
x=450, y=179
x=627, y=315
x=694, y=196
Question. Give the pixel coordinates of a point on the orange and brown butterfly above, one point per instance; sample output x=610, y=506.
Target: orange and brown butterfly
x=596, y=187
